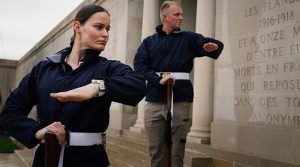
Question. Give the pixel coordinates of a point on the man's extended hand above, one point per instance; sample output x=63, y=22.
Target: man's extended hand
x=79, y=94
x=210, y=47
x=164, y=80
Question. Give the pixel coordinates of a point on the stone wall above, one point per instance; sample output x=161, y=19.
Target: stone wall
x=257, y=81
x=7, y=79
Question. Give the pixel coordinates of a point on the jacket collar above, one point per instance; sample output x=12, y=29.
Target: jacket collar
x=160, y=31
x=89, y=55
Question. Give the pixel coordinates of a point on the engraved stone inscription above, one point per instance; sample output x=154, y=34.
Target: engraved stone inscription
x=260, y=65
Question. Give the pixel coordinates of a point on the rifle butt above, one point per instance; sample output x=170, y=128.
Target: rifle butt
x=168, y=157
x=52, y=150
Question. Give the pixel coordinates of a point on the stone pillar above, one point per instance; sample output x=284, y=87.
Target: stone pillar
x=150, y=21
x=139, y=125
x=203, y=77
x=150, y=17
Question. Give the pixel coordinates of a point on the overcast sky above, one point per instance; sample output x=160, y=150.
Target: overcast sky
x=23, y=23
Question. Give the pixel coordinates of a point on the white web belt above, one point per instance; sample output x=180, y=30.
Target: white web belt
x=177, y=75
x=81, y=139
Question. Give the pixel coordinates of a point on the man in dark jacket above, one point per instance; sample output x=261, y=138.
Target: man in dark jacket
x=170, y=50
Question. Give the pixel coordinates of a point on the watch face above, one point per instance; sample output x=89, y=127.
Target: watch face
x=101, y=86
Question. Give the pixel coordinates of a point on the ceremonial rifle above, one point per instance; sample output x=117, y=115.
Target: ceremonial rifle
x=168, y=132
x=52, y=150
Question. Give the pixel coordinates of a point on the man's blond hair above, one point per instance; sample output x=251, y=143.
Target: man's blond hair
x=165, y=6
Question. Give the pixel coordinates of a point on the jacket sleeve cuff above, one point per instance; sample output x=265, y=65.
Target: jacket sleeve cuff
x=33, y=141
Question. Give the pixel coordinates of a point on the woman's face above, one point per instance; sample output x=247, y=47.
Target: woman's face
x=94, y=32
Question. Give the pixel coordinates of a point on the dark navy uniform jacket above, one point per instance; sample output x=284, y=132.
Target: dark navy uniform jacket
x=171, y=53
x=123, y=85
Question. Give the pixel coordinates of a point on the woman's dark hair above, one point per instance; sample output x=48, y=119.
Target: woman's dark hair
x=84, y=14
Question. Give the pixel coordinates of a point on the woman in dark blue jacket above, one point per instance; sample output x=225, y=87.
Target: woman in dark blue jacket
x=87, y=84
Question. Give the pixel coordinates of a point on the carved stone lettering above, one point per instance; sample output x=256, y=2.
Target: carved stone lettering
x=261, y=55
x=260, y=65
x=251, y=11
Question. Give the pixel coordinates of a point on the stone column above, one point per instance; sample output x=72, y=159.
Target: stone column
x=150, y=21
x=203, y=77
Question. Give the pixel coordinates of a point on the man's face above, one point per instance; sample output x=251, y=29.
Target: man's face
x=173, y=17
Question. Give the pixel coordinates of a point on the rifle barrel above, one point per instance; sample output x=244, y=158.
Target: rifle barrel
x=168, y=134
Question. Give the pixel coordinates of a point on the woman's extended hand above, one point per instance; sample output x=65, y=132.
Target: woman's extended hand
x=79, y=94
x=57, y=128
